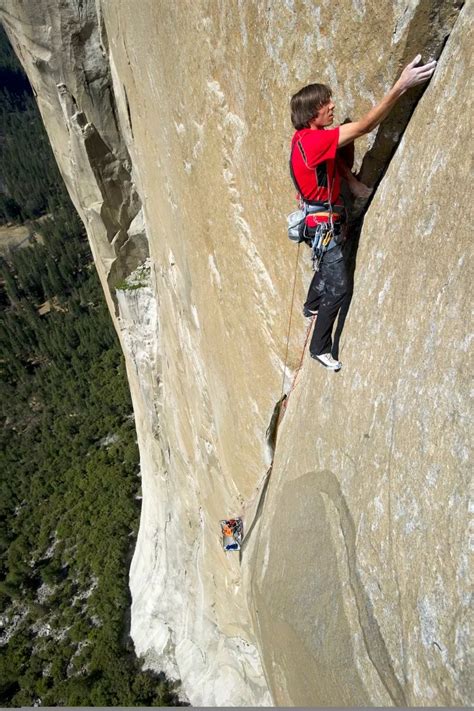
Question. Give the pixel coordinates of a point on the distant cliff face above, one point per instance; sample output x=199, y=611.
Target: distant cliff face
x=170, y=125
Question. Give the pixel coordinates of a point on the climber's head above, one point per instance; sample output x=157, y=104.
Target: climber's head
x=312, y=107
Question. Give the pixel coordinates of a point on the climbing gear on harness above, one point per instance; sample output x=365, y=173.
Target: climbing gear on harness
x=309, y=313
x=303, y=224
x=323, y=235
x=298, y=228
x=296, y=225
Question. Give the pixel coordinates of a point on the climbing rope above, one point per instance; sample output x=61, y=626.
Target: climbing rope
x=290, y=319
x=263, y=483
x=308, y=331
x=288, y=339
x=326, y=241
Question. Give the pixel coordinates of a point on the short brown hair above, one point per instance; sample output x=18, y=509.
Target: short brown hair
x=306, y=103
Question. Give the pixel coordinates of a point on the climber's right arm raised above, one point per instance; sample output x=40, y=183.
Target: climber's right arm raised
x=412, y=75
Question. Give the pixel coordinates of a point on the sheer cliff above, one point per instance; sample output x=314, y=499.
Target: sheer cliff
x=170, y=126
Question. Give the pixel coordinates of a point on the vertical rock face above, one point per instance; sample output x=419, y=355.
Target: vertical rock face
x=170, y=125
x=366, y=600
x=63, y=49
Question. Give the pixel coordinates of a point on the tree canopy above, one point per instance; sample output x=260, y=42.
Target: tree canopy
x=69, y=482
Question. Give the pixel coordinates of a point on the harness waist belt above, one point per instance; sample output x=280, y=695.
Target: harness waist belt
x=320, y=213
x=312, y=207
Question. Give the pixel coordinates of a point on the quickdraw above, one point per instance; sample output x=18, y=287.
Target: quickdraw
x=322, y=238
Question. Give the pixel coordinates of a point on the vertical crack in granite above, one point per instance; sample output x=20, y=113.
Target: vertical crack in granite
x=376, y=161
x=429, y=31
x=381, y=588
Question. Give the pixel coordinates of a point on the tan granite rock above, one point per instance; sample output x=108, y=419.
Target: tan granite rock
x=182, y=108
x=360, y=576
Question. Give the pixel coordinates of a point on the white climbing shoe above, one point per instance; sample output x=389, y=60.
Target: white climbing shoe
x=328, y=361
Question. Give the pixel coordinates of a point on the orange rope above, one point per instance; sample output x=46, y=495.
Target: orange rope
x=308, y=331
x=285, y=403
x=289, y=322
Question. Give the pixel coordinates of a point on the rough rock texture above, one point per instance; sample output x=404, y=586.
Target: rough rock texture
x=183, y=108
x=367, y=600
x=63, y=50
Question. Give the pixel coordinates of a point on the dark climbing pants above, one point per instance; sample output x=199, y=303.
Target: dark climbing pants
x=326, y=293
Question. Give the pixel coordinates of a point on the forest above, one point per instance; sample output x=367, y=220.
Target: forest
x=30, y=182
x=70, y=484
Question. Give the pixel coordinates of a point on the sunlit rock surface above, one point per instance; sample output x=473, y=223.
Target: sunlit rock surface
x=361, y=592
x=170, y=125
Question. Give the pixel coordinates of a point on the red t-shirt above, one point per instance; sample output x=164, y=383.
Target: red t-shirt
x=313, y=160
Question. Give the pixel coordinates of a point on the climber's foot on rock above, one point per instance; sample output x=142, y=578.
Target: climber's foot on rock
x=327, y=360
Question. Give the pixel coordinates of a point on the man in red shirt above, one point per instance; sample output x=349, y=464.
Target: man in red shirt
x=316, y=169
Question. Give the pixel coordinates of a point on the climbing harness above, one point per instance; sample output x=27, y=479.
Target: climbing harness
x=318, y=237
x=321, y=236
x=327, y=218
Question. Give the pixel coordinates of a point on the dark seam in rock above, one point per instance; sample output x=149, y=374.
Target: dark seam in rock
x=399, y=119
x=128, y=110
x=258, y=512
x=271, y=439
x=373, y=640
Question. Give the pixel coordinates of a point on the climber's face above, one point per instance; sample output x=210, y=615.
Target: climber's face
x=325, y=115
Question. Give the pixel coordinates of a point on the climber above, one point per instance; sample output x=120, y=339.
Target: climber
x=231, y=530
x=316, y=167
